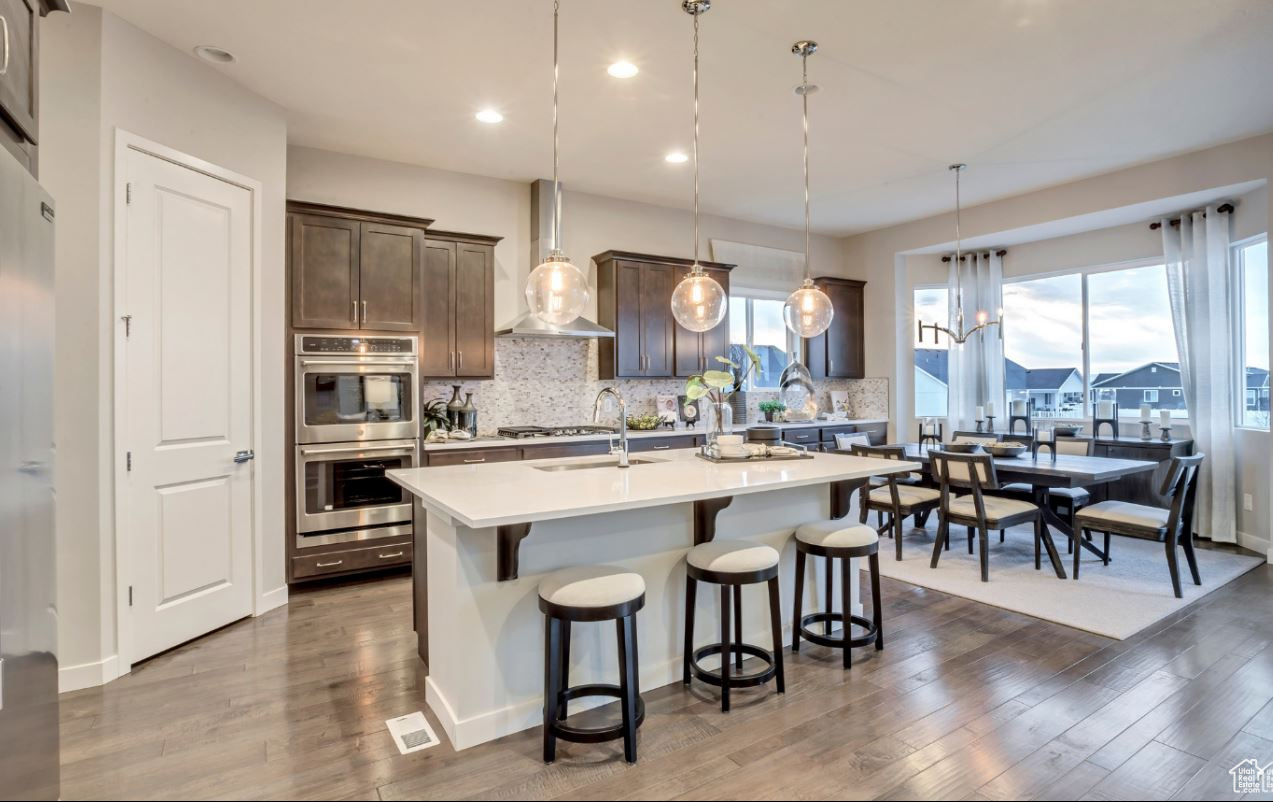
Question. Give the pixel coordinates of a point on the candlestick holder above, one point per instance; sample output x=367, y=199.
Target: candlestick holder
x=980, y=424
x=1038, y=443
x=1026, y=418
x=1145, y=433
x=1166, y=433
x=934, y=437
x=990, y=424
x=1112, y=421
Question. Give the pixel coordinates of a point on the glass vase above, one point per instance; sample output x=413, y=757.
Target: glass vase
x=718, y=419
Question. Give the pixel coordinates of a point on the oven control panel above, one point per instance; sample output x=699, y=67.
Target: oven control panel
x=338, y=344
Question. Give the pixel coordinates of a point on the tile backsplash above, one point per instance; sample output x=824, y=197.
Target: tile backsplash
x=553, y=382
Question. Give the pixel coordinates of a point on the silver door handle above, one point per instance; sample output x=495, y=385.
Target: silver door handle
x=389, y=556
x=243, y=456
x=474, y=461
x=452, y=368
x=364, y=312
x=328, y=565
x=406, y=449
x=459, y=363
x=355, y=303
x=31, y=467
x=4, y=67
x=661, y=448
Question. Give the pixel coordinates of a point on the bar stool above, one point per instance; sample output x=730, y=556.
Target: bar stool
x=838, y=540
x=732, y=564
x=590, y=593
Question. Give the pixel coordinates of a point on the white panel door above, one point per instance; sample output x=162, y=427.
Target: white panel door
x=188, y=403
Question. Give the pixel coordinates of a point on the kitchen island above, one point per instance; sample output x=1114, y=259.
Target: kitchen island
x=491, y=531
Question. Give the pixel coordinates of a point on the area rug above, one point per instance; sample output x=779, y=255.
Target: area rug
x=1117, y=600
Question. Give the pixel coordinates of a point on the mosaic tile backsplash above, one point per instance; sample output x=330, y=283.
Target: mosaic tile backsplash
x=553, y=382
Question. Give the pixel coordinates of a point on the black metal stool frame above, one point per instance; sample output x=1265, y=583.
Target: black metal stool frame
x=557, y=690
x=800, y=623
x=731, y=590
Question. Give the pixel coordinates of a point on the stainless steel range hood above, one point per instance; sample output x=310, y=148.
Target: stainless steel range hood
x=530, y=326
x=541, y=232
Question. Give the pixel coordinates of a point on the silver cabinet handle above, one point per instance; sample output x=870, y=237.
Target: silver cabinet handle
x=389, y=556
x=452, y=362
x=4, y=66
x=355, y=303
x=243, y=456
x=459, y=364
x=364, y=313
x=660, y=448
x=328, y=565
x=474, y=461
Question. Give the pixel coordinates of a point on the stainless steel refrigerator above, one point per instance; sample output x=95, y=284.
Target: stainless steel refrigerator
x=28, y=612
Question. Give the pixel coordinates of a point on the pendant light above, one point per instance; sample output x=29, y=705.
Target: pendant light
x=808, y=310
x=556, y=291
x=958, y=335
x=698, y=302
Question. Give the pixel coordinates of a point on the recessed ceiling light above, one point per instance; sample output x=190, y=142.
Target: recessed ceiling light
x=490, y=116
x=214, y=54
x=622, y=69
x=676, y=157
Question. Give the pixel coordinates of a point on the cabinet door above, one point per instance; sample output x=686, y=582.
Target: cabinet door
x=391, y=264
x=324, y=253
x=846, y=354
x=695, y=351
x=474, y=311
x=657, y=324
x=474, y=456
x=18, y=82
x=437, y=307
x=629, y=358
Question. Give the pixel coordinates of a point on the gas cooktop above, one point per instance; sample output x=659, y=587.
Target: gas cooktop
x=523, y=432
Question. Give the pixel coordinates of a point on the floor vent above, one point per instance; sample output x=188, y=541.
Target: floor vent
x=412, y=732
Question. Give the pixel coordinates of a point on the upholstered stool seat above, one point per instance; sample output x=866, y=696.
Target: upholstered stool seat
x=590, y=593
x=732, y=564
x=843, y=541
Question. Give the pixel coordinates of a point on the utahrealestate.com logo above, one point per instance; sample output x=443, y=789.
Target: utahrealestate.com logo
x=1249, y=778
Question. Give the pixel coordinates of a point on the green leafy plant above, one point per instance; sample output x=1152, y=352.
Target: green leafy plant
x=719, y=385
x=434, y=416
x=645, y=422
x=773, y=407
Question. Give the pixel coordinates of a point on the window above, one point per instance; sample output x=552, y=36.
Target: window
x=1043, y=345
x=931, y=378
x=1251, y=319
x=1151, y=397
x=757, y=322
x=1133, y=357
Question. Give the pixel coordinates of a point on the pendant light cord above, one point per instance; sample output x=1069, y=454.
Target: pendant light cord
x=696, y=267
x=804, y=97
x=959, y=262
x=556, y=249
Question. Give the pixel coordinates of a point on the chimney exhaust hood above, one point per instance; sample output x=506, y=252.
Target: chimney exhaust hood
x=540, y=225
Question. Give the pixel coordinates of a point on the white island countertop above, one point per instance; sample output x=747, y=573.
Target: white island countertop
x=502, y=493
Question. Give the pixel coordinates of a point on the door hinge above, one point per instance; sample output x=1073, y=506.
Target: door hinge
x=129, y=460
x=128, y=194
x=130, y=595
x=128, y=325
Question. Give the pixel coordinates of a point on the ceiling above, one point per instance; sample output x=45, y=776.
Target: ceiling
x=1030, y=93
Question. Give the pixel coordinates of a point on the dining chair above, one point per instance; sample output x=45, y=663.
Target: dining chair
x=977, y=510
x=894, y=498
x=1064, y=501
x=1173, y=525
x=983, y=438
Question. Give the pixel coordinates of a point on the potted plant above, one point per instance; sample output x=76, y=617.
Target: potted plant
x=715, y=387
x=434, y=417
x=772, y=408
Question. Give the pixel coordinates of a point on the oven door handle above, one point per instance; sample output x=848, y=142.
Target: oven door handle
x=308, y=450
x=360, y=362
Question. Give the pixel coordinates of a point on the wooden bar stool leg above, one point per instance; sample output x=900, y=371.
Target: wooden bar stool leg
x=564, y=638
x=826, y=625
x=691, y=600
x=798, y=602
x=878, y=610
x=738, y=625
x=628, y=683
x=725, y=648
x=775, y=624
x=846, y=603
x=552, y=685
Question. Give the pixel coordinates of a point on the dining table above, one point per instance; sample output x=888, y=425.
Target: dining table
x=1043, y=470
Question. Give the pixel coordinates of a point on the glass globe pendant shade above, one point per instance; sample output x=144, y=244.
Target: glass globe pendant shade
x=808, y=310
x=699, y=302
x=557, y=291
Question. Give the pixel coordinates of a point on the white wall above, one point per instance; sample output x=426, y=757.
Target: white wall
x=886, y=260
x=99, y=73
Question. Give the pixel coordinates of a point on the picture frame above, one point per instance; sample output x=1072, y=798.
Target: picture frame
x=668, y=408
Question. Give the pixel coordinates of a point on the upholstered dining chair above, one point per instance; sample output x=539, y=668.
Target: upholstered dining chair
x=1064, y=501
x=895, y=498
x=977, y=510
x=1173, y=525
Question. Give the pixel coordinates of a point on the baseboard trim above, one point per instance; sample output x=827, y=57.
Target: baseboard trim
x=87, y=675
x=271, y=600
x=1260, y=545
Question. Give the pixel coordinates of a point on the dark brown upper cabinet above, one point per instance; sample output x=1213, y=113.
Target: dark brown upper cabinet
x=840, y=352
x=355, y=270
x=634, y=299
x=458, y=335
x=19, y=75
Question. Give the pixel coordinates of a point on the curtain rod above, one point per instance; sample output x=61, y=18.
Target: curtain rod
x=1000, y=253
x=1224, y=208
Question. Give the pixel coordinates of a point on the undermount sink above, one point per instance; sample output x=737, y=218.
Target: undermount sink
x=584, y=465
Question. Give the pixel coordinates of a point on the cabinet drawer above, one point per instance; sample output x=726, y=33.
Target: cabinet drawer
x=474, y=456
x=338, y=562
x=565, y=450
x=802, y=436
x=661, y=443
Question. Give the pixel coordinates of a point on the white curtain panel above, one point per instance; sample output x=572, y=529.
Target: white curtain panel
x=976, y=368
x=1198, y=285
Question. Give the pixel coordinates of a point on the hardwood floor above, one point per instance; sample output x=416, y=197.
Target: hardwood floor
x=966, y=701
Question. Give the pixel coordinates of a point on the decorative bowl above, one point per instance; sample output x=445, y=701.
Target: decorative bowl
x=1008, y=449
x=962, y=448
x=1068, y=430
x=644, y=423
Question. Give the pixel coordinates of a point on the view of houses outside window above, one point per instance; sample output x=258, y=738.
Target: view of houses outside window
x=931, y=379
x=1133, y=341
x=1043, y=345
x=758, y=323
x=1252, y=270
